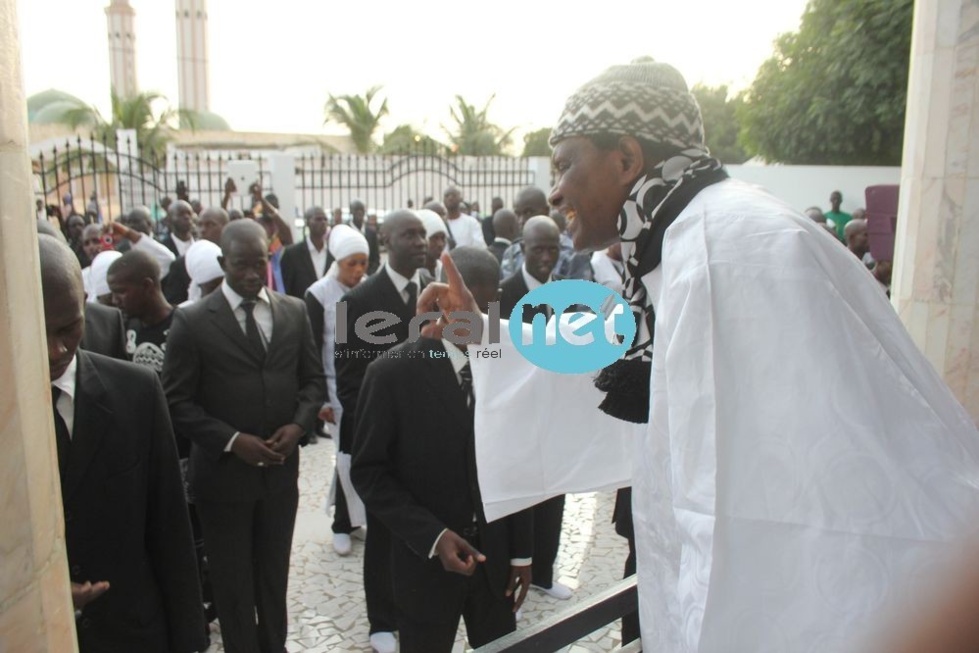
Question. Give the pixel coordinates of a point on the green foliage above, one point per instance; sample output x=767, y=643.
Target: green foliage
x=835, y=91
x=355, y=113
x=405, y=139
x=721, y=123
x=474, y=134
x=535, y=143
x=148, y=113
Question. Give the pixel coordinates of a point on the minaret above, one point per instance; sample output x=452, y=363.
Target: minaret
x=122, y=48
x=192, y=72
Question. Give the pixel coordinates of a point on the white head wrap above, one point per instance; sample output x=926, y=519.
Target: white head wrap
x=345, y=241
x=432, y=222
x=202, y=266
x=98, y=278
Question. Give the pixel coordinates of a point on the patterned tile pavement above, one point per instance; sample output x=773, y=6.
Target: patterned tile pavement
x=326, y=596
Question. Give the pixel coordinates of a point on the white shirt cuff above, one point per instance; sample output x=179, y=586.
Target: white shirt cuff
x=431, y=552
x=521, y=562
x=231, y=442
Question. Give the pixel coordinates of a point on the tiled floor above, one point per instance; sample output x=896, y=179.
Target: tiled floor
x=326, y=597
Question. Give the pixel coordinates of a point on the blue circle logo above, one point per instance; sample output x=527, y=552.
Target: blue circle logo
x=584, y=344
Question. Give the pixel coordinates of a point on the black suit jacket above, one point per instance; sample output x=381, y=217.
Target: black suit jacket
x=169, y=243
x=298, y=273
x=415, y=468
x=217, y=385
x=489, y=233
x=497, y=248
x=512, y=289
x=177, y=281
x=126, y=516
x=376, y=293
x=105, y=331
x=374, y=258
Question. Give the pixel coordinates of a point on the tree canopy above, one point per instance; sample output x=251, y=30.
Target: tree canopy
x=148, y=113
x=405, y=139
x=835, y=91
x=474, y=134
x=721, y=123
x=356, y=114
x=535, y=143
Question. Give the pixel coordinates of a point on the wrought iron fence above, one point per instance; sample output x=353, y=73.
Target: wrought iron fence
x=385, y=182
x=123, y=176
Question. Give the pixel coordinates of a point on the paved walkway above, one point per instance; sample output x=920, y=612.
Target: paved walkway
x=326, y=596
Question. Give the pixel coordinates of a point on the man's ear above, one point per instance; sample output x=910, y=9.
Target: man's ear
x=632, y=161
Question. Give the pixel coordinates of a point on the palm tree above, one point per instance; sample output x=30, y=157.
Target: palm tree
x=354, y=112
x=405, y=139
x=474, y=134
x=148, y=113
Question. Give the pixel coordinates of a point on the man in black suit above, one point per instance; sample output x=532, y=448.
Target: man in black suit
x=541, y=249
x=489, y=229
x=414, y=466
x=393, y=289
x=181, y=236
x=506, y=226
x=305, y=262
x=357, y=212
x=127, y=534
x=177, y=282
x=244, y=381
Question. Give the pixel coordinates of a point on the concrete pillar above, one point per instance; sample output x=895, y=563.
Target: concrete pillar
x=936, y=279
x=35, y=603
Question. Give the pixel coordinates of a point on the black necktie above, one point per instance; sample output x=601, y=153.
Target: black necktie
x=466, y=383
x=251, y=328
x=412, y=290
x=62, y=437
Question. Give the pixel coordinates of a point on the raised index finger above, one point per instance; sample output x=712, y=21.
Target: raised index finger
x=452, y=275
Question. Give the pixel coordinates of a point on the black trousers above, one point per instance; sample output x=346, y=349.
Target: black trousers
x=378, y=591
x=487, y=618
x=248, y=546
x=341, y=516
x=548, y=516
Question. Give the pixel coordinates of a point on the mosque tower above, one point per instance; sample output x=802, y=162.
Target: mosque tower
x=122, y=48
x=192, y=71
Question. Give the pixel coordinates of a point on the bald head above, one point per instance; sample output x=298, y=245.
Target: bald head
x=48, y=229
x=133, y=267
x=541, y=247
x=64, y=301
x=92, y=240
x=141, y=220
x=481, y=273
x=212, y=222
x=529, y=202
x=436, y=206
x=404, y=234
x=242, y=231
x=506, y=224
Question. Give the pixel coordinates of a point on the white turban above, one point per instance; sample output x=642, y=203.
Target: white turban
x=432, y=222
x=202, y=265
x=346, y=241
x=98, y=276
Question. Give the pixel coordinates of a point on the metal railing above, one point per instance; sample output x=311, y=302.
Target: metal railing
x=568, y=627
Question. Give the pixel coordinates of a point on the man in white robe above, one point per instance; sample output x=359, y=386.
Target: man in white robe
x=793, y=487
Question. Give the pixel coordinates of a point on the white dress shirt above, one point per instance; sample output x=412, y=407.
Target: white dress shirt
x=401, y=282
x=182, y=245
x=66, y=401
x=466, y=231
x=263, y=318
x=319, y=258
x=529, y=279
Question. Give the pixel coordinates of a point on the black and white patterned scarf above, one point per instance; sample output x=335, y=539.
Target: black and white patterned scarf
x=653, y=204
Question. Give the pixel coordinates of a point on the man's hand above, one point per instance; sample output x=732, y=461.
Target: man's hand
x=121, y=231
x=230, y=187
x=519, y=577
x=445, y=299
x=285, y=439
x=327, y=415
x=457, y=555
x=255, y=451
x=83, y=594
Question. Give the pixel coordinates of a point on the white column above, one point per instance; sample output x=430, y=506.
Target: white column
x=936, y=279
x=35, y=603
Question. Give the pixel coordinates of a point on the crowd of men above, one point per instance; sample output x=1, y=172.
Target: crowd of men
x=239, y=331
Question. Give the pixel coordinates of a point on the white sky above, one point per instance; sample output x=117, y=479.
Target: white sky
x=272, y=66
